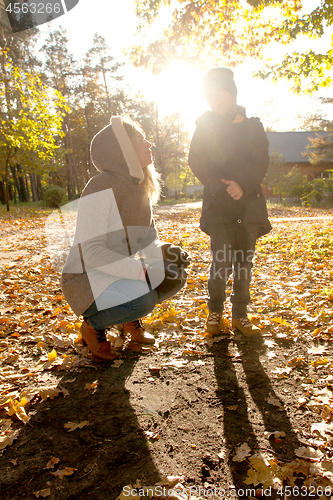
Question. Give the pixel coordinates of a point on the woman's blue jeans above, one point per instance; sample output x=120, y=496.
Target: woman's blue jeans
x=127, y=310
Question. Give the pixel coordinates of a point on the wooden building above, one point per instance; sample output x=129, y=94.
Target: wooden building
x=292, y=145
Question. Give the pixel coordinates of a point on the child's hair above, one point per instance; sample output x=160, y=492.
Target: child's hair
x=151, y=181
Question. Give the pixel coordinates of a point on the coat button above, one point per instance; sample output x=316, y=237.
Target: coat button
x=258, y=195
x=239, y=221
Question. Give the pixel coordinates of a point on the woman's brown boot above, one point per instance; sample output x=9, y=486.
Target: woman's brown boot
x=96, y=341
x=137, y=332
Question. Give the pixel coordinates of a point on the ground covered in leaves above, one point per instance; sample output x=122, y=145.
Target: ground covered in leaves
x=229, y=418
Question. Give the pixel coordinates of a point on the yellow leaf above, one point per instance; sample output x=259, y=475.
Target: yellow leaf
x=14, y=407
x=48, y=392
x=52, y=355
x=23, y=401
x=320, y=362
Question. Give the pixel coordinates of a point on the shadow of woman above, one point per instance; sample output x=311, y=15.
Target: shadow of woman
x=243, y=389
x=109, y=452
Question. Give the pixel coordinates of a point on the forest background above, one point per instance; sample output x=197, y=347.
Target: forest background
x=53, y=103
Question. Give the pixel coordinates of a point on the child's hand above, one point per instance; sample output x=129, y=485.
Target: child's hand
x=234, y=189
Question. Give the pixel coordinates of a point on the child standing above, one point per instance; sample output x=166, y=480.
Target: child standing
x=229, y=155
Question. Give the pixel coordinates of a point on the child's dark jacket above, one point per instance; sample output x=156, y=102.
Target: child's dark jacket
x=231, y=148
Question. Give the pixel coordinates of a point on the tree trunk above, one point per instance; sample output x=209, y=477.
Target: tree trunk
x=27, y=187
x=73, y=157
x=108, y=100
x=39, y=187
x=21, y=179
x=33, y=184
x=2, y=192
x=7, y=182
x=16, y=182
x=69, y=170
x=11, y=196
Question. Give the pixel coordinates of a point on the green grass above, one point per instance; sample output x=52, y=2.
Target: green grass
x=173, y=201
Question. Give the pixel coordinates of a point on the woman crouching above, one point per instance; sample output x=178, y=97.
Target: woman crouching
x=115, y=271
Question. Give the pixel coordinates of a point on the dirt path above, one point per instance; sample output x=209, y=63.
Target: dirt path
x=190, y=407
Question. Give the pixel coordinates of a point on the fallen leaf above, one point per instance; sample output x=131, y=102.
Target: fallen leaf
x=117, y=363
x=8, y=439
x=17, y=408
x=91, y=387
x=317, y=350
x=242, y=452
x=52, y=462
x=67, y=471
x=169, y=481
x=325, y=430
x=285, y=370
x=52, y=355
x=274, y=401
x=275, y=434
x=320, y=362
x=260, y=473
x=176, y=363
x=48, y=392
x=152, y=435
x=43, y=493
x=302, y=401
x=309, y=453
x=72, y=426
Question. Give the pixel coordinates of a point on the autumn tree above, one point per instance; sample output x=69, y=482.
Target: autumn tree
x=105, y=67
x=275, y=177
x=320, y=149
x=61, y=71
x=19, y=49
x=296, y=185
x=170, y=149
x=33, y=118
x=228, y=31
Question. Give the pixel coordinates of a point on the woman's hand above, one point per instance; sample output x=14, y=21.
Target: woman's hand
x=234, y=189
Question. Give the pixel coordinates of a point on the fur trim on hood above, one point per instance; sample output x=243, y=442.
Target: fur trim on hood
x=112, y=150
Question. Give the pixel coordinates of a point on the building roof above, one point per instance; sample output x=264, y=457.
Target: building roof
x=291, y=144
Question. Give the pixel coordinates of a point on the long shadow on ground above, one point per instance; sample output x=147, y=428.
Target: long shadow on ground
x=244, y=388
x=108, y=453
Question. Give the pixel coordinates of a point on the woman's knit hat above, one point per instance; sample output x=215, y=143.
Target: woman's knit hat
x=220, y=77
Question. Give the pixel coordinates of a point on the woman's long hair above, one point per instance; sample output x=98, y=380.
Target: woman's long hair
x=151, y=181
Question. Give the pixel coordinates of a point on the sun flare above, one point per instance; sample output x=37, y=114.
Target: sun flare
x=178, y=89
